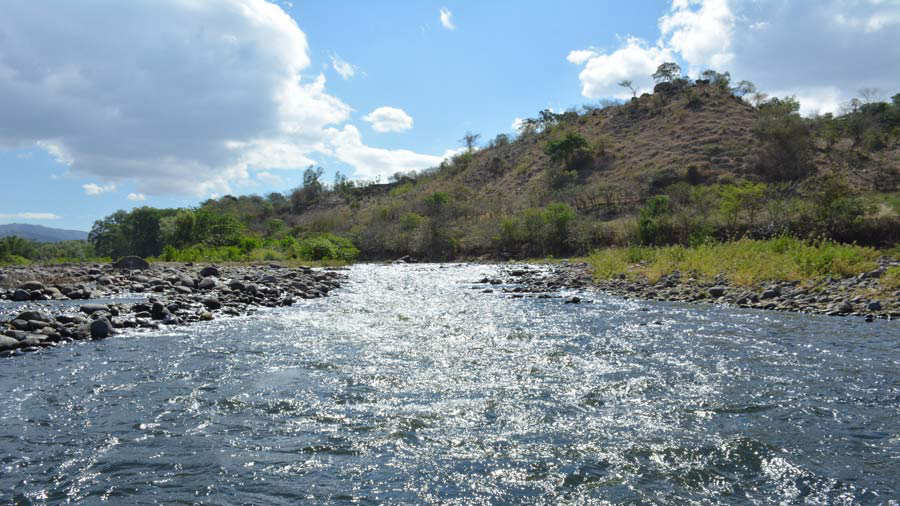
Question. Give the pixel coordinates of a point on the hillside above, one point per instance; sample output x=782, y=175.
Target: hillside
x=41, y=233
x=690, y=163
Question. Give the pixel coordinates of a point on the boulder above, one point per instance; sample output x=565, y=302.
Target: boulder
x=206, y=284
x=93, y=308
x=874, y=306
x=8, y=343
x=131, y=262
x=32, y=285
x=717, y=291
x=33, y=315
x=212, y=303
x=21, y=295
x=210, y=271
x=101, y=328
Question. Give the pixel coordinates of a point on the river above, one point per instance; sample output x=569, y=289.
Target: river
x=409, y=385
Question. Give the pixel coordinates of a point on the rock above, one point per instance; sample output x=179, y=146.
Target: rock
x=206, y=316
x=131, y=262
x=212, y=303
x=573, y=300
x=770, y=293
x=874, y=306
x=717, y=291
x=206, y=284
x=33, y=315
x=32, y=285
x=93, y=308
x=21, y=295
x=158, y=311
x=67, y=319
x=101, y=328
x=237, y=286
x=210, y=271
x=8, y=343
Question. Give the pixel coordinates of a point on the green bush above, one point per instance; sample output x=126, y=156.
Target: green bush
x=327, y=246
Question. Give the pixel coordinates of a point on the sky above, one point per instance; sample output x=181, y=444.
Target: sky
x=108, y=105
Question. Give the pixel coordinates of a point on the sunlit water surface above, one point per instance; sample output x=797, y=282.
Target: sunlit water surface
x=408, y=387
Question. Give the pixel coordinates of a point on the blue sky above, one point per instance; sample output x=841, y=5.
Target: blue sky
x=108, y=105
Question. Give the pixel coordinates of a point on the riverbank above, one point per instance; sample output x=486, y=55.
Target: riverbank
x=867, y=286
x=160, y=294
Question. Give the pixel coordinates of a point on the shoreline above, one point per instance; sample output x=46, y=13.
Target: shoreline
x=850, y=296
x=177, y=294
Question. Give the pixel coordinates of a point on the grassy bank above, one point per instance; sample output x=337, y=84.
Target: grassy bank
x=744, y=262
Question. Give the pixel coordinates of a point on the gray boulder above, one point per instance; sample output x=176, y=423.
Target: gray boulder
x=206, y=284
x=8, y=343
x=32, y=285
x=21, y=295
x=101, y=328
x=131, y=262
x=717, y=291
x=93, y=308
x=208, y=271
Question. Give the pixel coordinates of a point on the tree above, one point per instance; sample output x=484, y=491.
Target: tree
x=667, y=72
x=470, y=140
x=786, y=150
x=870, y=95
x=564, y=150
x=721, y=80
x=627, y=83
x=744, y=88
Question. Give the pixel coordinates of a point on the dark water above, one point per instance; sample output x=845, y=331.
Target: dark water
x=408, y=387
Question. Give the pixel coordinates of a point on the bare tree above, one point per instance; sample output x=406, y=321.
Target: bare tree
x=470, y=140
x=870, y=95
x=627, y=83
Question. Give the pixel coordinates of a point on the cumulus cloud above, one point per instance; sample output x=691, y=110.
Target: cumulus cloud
x=137, y=197
x=389, y=119
x=370, y=162
x=94, y=189
x=30, y=216
x=823, y=55
x=602, y=72
x=188, y=106
x=343, y=67
x=447, y=19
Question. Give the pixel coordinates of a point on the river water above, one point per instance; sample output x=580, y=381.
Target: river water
x=408, y=386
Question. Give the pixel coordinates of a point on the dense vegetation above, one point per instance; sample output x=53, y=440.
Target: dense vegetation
x=694, y=163
x=16, y=250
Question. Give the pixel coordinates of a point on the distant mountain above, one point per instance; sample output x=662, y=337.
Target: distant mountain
x=41, y=233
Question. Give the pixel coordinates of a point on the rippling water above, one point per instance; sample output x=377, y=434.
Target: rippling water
x=409, y=387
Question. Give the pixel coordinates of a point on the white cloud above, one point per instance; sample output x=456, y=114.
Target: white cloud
x=186, y=107
x=602, y=72
x=389, y=119
x=579, y=56
x=347, y=146
x=517, y=124
x=823, y=55
x=701, y=36
x=30, y=216
x=137, y=197
x=95, y=189
x=343, y=67
x=270, y=179
x=447, y=19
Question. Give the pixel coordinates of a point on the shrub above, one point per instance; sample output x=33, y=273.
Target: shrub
x=327, y=246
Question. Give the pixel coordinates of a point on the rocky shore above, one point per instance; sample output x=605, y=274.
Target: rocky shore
x=166, y=294
x=862, y=295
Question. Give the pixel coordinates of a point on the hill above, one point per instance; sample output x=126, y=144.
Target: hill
x=41, y=233
x=691, y=163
